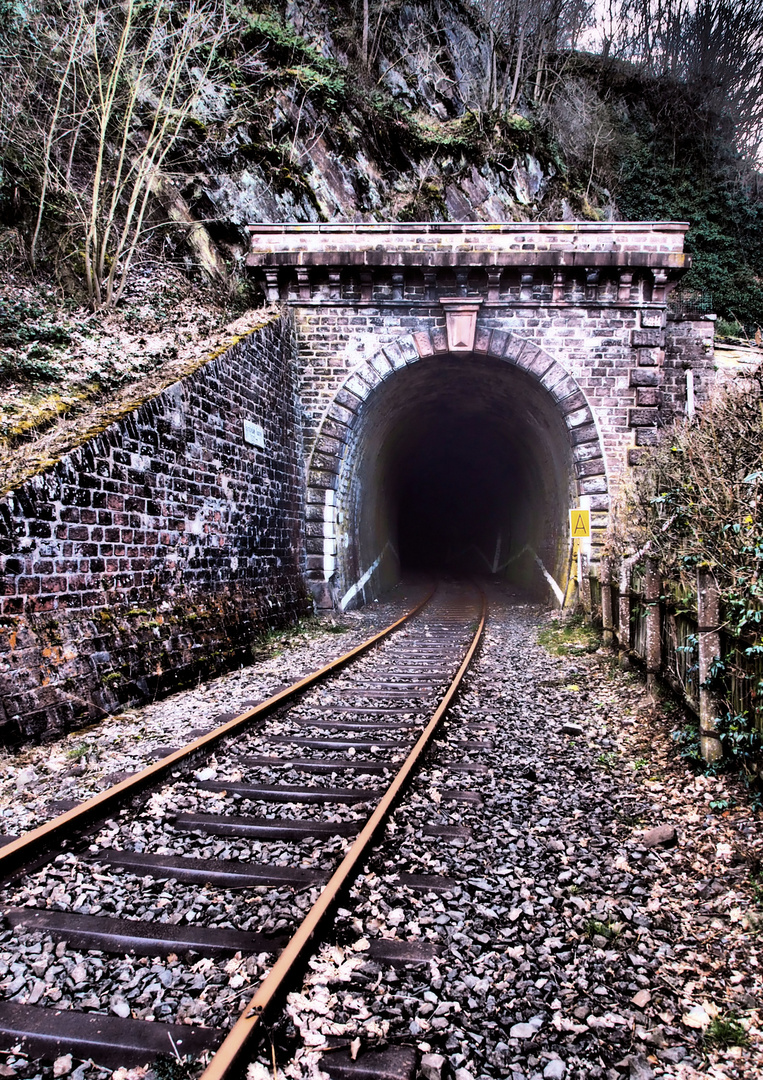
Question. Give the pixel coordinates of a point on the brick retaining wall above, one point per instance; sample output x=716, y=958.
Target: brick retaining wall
x=152, y=555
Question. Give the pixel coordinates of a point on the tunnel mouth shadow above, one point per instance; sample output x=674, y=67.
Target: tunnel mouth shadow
x=452, y=496
x=458, y=465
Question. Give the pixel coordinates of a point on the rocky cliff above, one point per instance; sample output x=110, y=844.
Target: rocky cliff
x=309, y=134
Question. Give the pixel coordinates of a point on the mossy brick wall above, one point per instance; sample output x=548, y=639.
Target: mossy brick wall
x=154, y=554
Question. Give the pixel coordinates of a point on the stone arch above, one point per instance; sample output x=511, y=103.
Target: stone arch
x=335, y=435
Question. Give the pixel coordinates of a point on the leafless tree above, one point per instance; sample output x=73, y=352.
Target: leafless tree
x=522, y=36
x=586, y=129
x=96, y=98
x=714, y=46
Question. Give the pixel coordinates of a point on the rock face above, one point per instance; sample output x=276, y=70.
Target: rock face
x=413, y=140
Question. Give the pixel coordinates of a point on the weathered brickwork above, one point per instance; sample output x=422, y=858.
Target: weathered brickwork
x=619, y=382
x=152, y=555
x=585, y=305
x=688, y=347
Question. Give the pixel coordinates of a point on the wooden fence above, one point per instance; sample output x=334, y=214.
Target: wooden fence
x=681, y=640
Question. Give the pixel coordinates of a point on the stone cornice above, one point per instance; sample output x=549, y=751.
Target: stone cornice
x=474, y=244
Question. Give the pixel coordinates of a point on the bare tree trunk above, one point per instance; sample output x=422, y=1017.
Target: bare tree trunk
x=51, y=136
x=364, y=39
x=517, y=67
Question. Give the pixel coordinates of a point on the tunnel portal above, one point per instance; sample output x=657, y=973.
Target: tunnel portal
x=458, y=465
x=464, y=384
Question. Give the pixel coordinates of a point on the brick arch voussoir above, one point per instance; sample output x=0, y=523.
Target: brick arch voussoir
x=570, y=400
x=341, y=416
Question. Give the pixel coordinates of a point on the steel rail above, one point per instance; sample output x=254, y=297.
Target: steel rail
x=228, y=1056
x=35, y=843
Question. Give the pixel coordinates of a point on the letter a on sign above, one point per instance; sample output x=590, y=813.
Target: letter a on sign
x=580, y=523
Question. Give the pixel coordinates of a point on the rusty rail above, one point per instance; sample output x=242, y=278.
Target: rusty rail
x=228, y=1057
x=33, y=844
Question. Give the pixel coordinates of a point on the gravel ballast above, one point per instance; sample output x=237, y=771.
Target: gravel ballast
x=579, y=941
x=603, y=921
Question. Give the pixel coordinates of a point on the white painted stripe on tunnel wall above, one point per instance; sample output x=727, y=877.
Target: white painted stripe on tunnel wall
x=359, y=585
x=554, y=587
x=329, y=534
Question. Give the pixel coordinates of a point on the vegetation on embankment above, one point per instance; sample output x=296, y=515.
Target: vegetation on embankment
x=100, y=368
x=137, y=141
x=698, y=502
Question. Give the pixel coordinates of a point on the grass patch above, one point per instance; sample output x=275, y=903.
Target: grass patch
x=569, y=638
x=595, y=927
x=78, y=752
x=726, y=1031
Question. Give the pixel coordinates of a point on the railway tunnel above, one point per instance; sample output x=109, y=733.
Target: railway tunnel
x=526, y=370
x=459, y=465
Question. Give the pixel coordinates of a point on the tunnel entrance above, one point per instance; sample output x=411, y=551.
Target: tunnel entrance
x=459, y=464
x=460, y=490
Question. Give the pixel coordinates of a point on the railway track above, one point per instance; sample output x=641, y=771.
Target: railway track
x=172, y=895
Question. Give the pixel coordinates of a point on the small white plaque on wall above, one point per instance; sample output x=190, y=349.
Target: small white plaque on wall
x=254, y=434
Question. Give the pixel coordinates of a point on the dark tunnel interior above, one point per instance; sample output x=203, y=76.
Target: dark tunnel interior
x=457, y=464
x=456, y=493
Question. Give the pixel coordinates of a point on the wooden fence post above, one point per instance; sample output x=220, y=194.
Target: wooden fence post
x=584, y=584
x=653, y=634
x=708, y=617
x=625, y=612
x=606, y=601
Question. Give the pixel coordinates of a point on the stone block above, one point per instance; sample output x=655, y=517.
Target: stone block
x=599, y=504
x=571, y=404
x=341, y=414
x=642, y=417
x=584, y=434
x=645, y=376
x=319, y=478
x=482, y=339
x=562, y=390
x=586, y=451
x=647, y=339
x=440, y=340
x=408, y=349
x=423, y=342
x=647, y=396
x=382, y=365
x=638, y=455
x=592, y=485
x=650, y=357
x=499, y=339
x=355, y=385
x=394, y=354
x=325, y=444
x=582, y=416
x=647, y=436
x=593, y=467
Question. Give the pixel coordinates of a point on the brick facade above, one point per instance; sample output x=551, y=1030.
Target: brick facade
x=581, y=307
x=150, y=556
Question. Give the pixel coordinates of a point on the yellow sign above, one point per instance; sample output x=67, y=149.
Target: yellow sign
x=580, y=523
